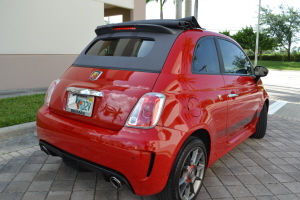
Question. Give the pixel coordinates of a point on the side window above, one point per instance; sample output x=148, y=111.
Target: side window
x=235, y=60
x=205, y=60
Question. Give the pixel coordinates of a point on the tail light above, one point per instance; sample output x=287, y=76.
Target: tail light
x=147, y=111
x=50, y=91
x=124, y=28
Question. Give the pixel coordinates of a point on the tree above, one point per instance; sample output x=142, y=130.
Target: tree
x=227, y=33
x=196, y=9
x=178, y=9
x=188, y=8
x=246, y=38
x=294, y=51
x=106, y=22
x=283, y=27
x=266, y=43
x=161, y=5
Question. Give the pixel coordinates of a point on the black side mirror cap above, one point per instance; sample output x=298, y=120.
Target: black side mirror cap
x=260, y=71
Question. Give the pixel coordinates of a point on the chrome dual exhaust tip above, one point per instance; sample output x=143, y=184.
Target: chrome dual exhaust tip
x=115, y=182
x=44, y=149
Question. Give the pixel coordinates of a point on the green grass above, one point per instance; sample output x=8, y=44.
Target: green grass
x=18, y=110
x=282, y=65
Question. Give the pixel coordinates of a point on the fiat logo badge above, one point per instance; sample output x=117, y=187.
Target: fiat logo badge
x=95, y=75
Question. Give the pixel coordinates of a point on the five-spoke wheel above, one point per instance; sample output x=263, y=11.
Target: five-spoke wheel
x=192, y=173
x=188, y=172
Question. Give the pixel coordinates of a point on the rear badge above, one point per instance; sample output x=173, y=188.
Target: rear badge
x=95, y=75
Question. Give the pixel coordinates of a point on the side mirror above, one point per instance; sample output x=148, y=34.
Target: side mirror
x=260, y=71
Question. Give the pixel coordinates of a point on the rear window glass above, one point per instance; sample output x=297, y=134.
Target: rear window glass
x=122, y=47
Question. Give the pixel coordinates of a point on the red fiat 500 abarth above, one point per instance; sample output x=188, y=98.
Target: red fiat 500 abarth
x=152, y=104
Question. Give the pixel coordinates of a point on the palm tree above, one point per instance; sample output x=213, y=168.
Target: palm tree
x=188, y=8
x=196, y=9
x=178, y=9
x=161, y=4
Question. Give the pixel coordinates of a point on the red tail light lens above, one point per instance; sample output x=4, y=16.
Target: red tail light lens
x=147, y=111
x=50, y=91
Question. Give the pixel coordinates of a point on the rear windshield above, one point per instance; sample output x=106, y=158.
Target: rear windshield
x=130, y=51
x=124, y=47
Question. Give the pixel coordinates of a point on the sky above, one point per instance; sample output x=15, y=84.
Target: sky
x=221, y=15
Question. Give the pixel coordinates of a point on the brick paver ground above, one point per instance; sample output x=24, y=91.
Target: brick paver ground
x=268, y=168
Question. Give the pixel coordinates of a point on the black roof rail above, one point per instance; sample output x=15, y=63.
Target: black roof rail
x=168, y=26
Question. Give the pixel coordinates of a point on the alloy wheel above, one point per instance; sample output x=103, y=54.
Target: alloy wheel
x=192, y=172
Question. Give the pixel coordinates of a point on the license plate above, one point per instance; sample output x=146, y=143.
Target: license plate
x=80, y=104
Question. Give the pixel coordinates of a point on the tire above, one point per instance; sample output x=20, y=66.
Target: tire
x=261, y=125
x=188, y=172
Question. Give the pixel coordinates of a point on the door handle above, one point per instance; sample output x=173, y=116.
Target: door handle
x=232, y=95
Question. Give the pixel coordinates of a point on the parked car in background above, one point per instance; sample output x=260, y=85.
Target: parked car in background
x=152, y=104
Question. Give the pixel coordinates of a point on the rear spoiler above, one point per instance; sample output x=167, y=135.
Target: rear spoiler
x=168, y=26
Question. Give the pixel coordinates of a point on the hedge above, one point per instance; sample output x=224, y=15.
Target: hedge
x=295, y=58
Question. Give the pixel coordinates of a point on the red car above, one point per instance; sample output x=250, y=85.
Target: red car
x=152, y=104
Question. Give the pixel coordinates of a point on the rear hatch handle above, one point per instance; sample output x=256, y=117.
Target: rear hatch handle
x=85, y=91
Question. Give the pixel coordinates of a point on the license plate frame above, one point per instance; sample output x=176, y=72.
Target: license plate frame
x=80, y=104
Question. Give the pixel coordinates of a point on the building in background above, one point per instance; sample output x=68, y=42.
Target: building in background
x=40, y=39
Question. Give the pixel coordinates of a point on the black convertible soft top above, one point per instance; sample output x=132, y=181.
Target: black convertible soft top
x=163, y=32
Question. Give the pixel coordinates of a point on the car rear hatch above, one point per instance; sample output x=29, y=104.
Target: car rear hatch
x=112, y=73
x=105, y=102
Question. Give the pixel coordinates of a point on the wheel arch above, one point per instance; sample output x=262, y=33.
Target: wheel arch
x=200, y=134
x=203, y=135
x=267, y=102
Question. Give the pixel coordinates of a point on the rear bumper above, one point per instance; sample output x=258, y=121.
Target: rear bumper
x=140, y=158
x=81, y=164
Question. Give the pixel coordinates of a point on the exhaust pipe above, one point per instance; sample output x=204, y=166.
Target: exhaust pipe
x=115, y=182
x=44, y=149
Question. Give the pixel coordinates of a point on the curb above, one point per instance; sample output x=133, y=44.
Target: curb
x=17, y=131
x=21, y=92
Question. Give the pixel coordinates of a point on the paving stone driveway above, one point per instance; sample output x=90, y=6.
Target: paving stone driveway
x=268, y=168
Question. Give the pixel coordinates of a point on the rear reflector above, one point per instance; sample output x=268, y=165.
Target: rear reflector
x=124, y=28
x=50, y=91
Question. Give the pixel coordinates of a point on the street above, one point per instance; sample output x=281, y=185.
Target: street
x=283, y=88
x=283, y=85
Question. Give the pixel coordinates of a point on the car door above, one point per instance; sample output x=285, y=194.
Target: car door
x=210, y=86
x=242, y=92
